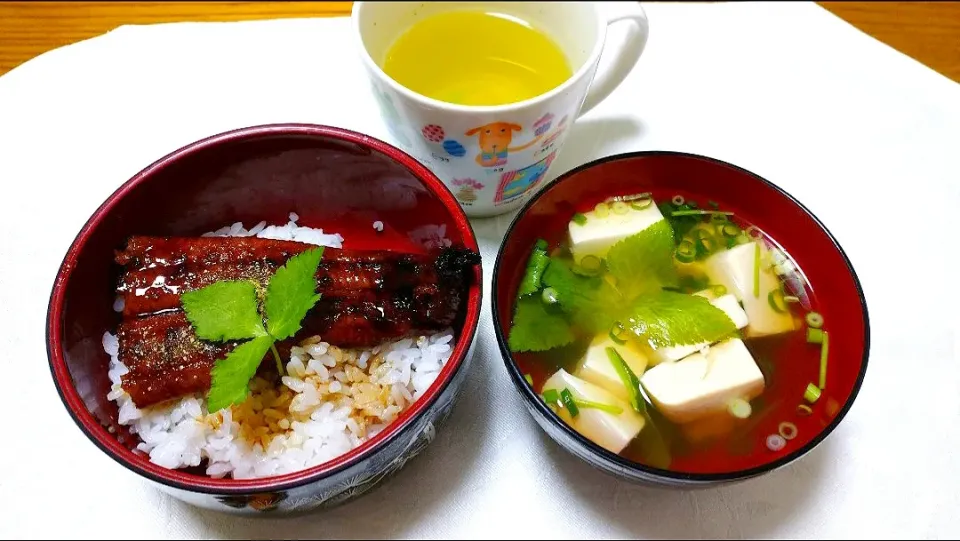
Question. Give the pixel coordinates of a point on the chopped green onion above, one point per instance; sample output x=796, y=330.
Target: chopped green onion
x=587, y=404
x=739, y=408
x=719, y=218
x=713, y=204
x=619, y=207
x=618, y=333
x=602, y=210
x=824, y=347
x=590, y=265
x=729, y=230
x=706, y=245
x=678, y=200
x=776, y=300
x=637, y=201
x=590, y=262
x=579, y=218
x=804, y=410
x=536, y=265
x=686, y=251
x=551, y=396
x=567, y=398
x=629, y=380
x=814, y=336
x=812, y=394
x=790, y=298
x=815, y=320
x=742, y=238
x=719, y=289
x=776, y=442
x=756, y=270
x=549, y=296
x=641, y=203
x=787, y=430
x=529, y=379
x=754, y=232
x=700, y=213
x=628, y=198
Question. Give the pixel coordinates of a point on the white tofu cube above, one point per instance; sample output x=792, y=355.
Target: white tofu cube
x=733, y=269
x=612, y=432
x=597, y=235
x=597, y=368
x=728, y=303
x=704, y=383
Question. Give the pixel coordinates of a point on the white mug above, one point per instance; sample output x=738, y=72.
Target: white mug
x=493, y=157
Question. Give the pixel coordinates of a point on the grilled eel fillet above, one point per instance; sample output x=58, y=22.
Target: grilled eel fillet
x=367, y=297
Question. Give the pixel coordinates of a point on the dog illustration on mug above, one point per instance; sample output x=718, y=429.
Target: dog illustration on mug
x=495, y=140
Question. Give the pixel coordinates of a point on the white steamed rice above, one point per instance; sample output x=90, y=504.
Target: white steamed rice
x=330, y=401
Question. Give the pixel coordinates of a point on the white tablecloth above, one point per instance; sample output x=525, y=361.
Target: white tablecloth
x=865, y=136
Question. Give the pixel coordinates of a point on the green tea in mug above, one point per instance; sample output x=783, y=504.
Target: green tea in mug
x=476, y=58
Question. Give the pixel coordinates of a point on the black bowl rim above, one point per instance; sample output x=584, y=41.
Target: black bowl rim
x=531, y=398
x=252, y=132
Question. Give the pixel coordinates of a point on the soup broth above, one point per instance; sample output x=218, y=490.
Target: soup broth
x=670, y=331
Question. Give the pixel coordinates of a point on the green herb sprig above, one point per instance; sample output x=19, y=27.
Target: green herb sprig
x=641, y=297
x=228, y=311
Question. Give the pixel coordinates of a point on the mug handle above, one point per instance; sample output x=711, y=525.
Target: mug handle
x=606, y=82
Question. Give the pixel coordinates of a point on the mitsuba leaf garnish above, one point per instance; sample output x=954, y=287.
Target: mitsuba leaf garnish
x=228, y=310
x=591, y=301
x=230, y=376
x=667, y=319
x=536, y=265
x=644, y=261
x=636, y=292
x=537, y=328
x=292, y=293
x=224, y=311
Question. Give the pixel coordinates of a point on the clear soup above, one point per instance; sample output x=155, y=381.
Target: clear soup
x=672, y=332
